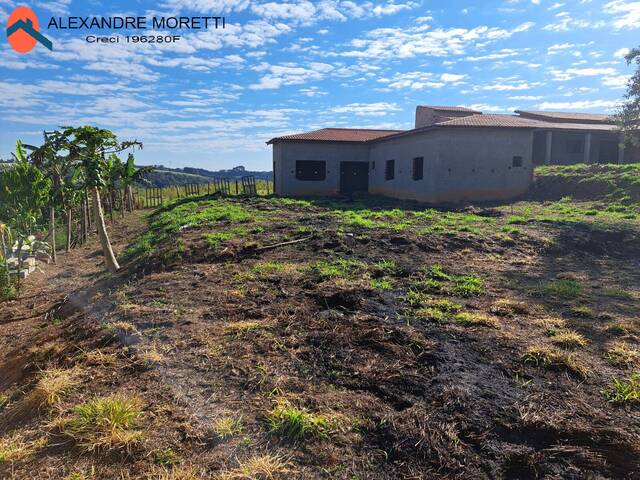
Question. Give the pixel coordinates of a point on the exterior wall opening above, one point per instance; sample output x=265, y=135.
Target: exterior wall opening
x=517, y=161
x=390, y=170
x=418, y=168
x=311, y=170
x=354, y=177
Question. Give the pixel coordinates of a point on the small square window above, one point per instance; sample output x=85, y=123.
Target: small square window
x=517, y=161
x=418, y=168
x=390, y=170
x=311, y=170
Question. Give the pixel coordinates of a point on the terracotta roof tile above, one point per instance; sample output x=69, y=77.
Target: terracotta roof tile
x=451, y=109
x=567, y=116
x=337, y=135
x=514, y=121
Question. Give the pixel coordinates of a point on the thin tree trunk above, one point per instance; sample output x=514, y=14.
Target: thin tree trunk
x=69, y=224
x=122, y=197
x=52, y=232
x=109, y=257
x=83, y=221
x=88, y=210
x=19, y=253
x=130, y=196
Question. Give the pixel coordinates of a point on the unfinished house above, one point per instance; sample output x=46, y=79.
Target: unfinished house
x=453, y=154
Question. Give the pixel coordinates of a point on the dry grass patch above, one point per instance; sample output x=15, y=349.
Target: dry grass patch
x=126, y=327
x=105, y=423
x=149, y=356
x=568, y=338
x=623, y=355
x=242, y=327
x=52, y=385
x=552, y=325
x=177, y=473
x=554, y=358
x=98, y=357
x=470, y=319
x=226, y=427
x=15, y=448
x=261, y=467
x=506, y=307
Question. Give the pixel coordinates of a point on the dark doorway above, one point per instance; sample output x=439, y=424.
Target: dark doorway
x=608, y=152
x=354, y=177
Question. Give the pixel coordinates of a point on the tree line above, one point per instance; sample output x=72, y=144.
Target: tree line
x=73, y=172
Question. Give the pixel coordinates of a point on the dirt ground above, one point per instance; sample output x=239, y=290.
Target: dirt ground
x=465, y=354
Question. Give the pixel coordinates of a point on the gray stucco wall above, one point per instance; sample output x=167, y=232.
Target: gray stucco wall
x=285, y=156
x=460, y=164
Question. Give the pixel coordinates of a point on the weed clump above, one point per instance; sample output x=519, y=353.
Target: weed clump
x=293, y=423
x=226, y=427
x=623, y=355
x=568, y=338
x=553, y=358
x=266, y=467
x=105, y=423
x=624, y=392
x=469, y=319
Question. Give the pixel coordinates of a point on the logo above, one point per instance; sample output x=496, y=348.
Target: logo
x=23, y=31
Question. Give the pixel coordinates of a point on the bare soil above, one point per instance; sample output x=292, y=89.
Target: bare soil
x=408, y=397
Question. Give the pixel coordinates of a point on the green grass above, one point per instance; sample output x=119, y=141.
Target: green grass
x=106, y=423
x=213, y=240
x=341, y=268
x=562, y=289
x=438, y=281
x=293, y=423
x=381, y=284
x=191, y=213
x=166, y=457
x=619, y=293
x=473, y=319
x=624, y=392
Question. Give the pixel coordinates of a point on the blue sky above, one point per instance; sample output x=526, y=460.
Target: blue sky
x=213, y=98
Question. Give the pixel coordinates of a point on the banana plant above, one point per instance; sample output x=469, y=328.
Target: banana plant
x=91, y=146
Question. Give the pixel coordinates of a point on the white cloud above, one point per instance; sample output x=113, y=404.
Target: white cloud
x=288, y=74
x=608, y=105
x=617, y=81
x=410, y=42
x=621, y=53
x=571, y=73
x=526, y=97
x=367, y=109
x=60, y=7
x=627, y=13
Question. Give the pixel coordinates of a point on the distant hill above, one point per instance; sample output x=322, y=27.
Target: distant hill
x=164, y=176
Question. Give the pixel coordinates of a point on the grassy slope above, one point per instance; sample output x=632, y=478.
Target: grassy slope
x=392, y=341
x=614, y=183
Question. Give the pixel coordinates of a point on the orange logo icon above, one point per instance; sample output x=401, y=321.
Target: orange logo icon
x=23, y=31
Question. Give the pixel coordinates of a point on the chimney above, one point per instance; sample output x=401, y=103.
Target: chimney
x=427, y=116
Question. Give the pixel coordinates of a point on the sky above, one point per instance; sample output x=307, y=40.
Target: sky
x=213, y=98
